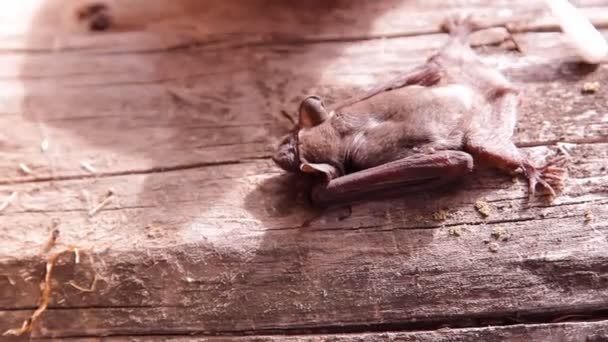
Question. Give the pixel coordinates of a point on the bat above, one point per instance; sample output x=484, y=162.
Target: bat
x=423, y=129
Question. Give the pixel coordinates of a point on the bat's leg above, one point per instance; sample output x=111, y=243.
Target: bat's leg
x=457, y=50
x=425, y=75
x=492, y=145
x=411, y=174
x=460, y=64
x=490, y=140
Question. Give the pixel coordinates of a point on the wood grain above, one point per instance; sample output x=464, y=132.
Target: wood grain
x=196, y=255
x=189, y=121
x=177, y=109
x=563, y=332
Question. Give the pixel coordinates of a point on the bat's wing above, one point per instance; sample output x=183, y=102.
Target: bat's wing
x=412, y=174
x=425, y=75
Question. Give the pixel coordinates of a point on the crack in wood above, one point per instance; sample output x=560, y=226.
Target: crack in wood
x=478, y=321
x=153, y=170
x=298, y=41
x=301, y=41
x=162, y=169
x=446, y=225
x=90, y=307
x=43, y=211
x=451, y=224
x=581, y=141
x=157, y=81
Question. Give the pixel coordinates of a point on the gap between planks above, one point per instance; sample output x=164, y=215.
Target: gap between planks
x=513, y=319
x=190, y=166
x=263, y=42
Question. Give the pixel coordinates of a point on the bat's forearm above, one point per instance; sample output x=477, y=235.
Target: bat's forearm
x=410, y=174
x=425, y=75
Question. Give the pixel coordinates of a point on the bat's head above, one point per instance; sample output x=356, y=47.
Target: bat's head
x=311, y=113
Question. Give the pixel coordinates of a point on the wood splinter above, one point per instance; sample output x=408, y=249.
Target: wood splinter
x=8, y=201
x=103, y=203
x=25, y=169
x=8, y=277
x=44, y=145
x=91, y=288
x=88, y=167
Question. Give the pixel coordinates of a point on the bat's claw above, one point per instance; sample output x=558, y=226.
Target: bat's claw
x=460, y=24
x=551, y=176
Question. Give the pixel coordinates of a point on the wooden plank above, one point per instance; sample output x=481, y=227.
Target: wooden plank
x=223, y=256
x=161, y=24
x=161, y=119
x=256, y=197
x=308, y=282
x=204, y=234
x=563, y=332
x=160, y=105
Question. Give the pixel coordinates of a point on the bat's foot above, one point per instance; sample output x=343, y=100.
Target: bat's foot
x=459, y=24
x=551, y=176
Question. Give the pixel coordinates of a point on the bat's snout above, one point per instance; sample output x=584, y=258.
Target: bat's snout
x=286, y=156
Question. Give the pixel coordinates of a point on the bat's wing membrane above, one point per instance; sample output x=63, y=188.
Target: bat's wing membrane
x=425, y=75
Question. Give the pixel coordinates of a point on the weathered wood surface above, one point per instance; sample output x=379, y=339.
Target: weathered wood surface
x=178, y=109
x=562, y=332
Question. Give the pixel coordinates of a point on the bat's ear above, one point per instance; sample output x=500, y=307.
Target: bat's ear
x=312, y=112
x=326, y=170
